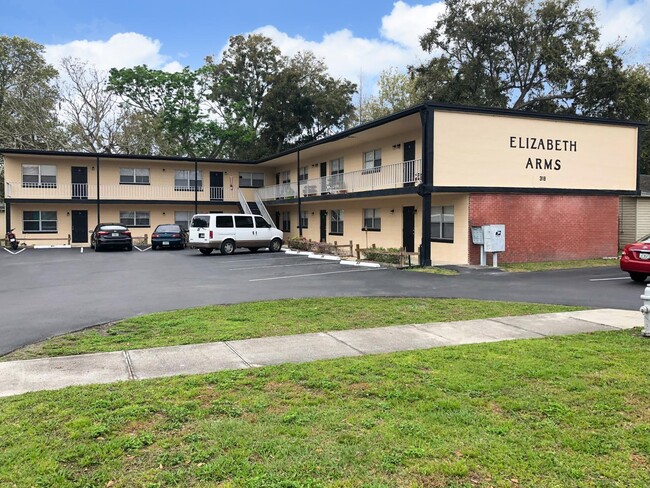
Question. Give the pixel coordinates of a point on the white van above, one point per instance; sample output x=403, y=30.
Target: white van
x=227, y=232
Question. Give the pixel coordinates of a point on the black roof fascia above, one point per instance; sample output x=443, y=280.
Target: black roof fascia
x=122, y=156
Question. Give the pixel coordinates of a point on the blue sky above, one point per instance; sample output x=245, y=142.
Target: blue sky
x=355, y=37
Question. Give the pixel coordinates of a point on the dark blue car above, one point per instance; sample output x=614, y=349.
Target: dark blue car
x=169, y=236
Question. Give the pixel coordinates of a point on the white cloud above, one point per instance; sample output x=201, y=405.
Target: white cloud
x=406, y=24
x=625, y=20
x=122, y=50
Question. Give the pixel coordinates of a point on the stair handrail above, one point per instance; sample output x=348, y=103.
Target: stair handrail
x=265, y=213
x=244, y=204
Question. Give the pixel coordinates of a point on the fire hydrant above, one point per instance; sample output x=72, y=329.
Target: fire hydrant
x=645, y=310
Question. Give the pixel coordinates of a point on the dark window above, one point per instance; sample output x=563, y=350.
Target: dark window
x=304, y=219
x=243, y=222
x=39, y=176
x=134, y=219
x=286, y=221
x=372, y=161
x=224, y=222
x=39, y=221
x=201, y=221
x=251, y=180
x=336, y=222
x=184, y=180
x=442, y=223
x=134, y=176
x=371, y=219
x=261, y=223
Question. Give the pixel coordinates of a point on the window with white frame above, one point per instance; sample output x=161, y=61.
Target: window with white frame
x=134, y=218
x=134, y=176
x=285, y=177
x=372, y=160
x=371, y=219
x=184, y=180
x=183, y=219
x=251, y=180
x=303, y=174
x=336, y=170
x=39, y=221
x=286, y=221
x=304, y=219
x=39, y=176
x=336, y=222
x=442, y=223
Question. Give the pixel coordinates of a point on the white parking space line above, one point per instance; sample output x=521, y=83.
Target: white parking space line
x=316, y=274
x=142, y=250
x=15, y=252
x=264, y=259
x=283, y=266
x=610, y=279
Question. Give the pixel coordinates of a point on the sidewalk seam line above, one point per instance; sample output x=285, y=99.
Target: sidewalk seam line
x=516, y=326
x=613, y=327
x=248, y=365
x=129, y=365
x=345, y=343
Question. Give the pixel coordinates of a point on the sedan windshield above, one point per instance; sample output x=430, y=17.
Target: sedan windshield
x=168, y=228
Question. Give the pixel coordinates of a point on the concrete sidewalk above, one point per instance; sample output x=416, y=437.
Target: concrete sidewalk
x=18, y=377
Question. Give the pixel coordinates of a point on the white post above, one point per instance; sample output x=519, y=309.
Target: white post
x=495, y=260
x=482, y=256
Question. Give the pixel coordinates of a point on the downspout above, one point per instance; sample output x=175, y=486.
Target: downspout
x=8, y=215
x=426, y=187
x=299, y=202
x=98, y=196
x=196, y=187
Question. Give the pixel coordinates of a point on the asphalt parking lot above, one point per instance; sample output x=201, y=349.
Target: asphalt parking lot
x=48, y=292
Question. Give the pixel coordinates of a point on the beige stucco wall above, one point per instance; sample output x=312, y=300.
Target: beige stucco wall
x=390, y=236
x=353, y=156
x=478, y=150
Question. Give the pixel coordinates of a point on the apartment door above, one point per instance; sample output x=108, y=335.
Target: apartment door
x=408, y=229
x=80, y=226
x=409, y=163
x=323, y=225
x=216, y=186
x=79, y=182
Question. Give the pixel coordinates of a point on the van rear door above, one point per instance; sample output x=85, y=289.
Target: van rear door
x=200, y=229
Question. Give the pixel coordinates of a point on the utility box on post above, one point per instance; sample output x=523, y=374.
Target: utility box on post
x=491, y=238
x=494, y=237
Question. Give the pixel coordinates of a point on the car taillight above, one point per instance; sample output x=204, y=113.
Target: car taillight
x=623, y=253
x=211, y=235
x=176, y=235
x=155, y=235
x=102, y=233
x=127, y=232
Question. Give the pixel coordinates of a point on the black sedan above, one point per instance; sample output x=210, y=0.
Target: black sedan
x=111, y=236
x=168, y=236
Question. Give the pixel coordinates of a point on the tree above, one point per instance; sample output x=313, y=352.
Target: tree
x=520, y=54
x=271, y=102
x=303, y=104
x=175, y=106
x=91, y=113
x=27, y=97
x=396, y=91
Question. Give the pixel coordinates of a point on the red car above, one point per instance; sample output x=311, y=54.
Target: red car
x=636, y=259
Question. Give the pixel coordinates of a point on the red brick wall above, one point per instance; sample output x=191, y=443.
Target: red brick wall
x=548, y=227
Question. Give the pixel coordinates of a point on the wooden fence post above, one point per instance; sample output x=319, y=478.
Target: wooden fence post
x=358, y=253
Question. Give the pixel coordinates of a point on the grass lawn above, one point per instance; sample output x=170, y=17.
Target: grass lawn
x=554, y=412
x=434, y=270
x=551, y=265
x=272, y=318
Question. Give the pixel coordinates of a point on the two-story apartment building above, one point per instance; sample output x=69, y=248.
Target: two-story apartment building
x=418, y=179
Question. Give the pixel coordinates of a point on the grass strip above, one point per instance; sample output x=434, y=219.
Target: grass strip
x=560, y=411
x=555, y=265
x=271, y=318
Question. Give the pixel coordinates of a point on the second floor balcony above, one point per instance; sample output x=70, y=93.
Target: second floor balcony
x=398, y=175
x=88, y=191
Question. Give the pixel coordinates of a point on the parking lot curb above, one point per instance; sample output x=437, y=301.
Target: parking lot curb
x=325, y=257
x=360, y=263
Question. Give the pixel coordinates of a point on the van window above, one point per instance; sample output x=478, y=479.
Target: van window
x=224, y=221
x=261, y=223
x=200, y=221
x=243, y=221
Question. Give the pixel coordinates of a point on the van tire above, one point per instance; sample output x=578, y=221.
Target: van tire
x=276, y=245
x=228, y=247
x=205, y=252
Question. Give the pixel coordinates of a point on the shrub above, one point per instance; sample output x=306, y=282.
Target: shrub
x=382, y=255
